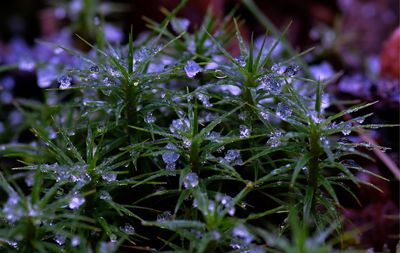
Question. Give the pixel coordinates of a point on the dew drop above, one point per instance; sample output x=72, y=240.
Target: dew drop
x=11, y=209
x=75, y=241
x=275, y=138
x=241, y=61
x=204, y=100
x=27, y=65
x=13, y=244
x=264, y=115
x=94, y=69
x=213, y=136
x=76, y=201
x=215, y=235
x=211, y=206
x=232, y=156
x=164, y=216
x=64, y=81
x=270, y=84
x=191, y=180
x=292, y=70
x=346, y=128
x=245, y=131
x=170, y=166
x=29, y=179
x=128, y=229
x=187, y=143
x=113, y=238
x=180, y=25
x=51, y=133
x=324, y=141
x=360, y=120
x=344, y=140
x=149, y=118
x=179, y=125
x=278, y=68
x=283, y=111
x=192, y=68
x=241, y=232
x=109, y=177
x=243, y=116
x=170, y=156
x=104, y=195
x=60, y=239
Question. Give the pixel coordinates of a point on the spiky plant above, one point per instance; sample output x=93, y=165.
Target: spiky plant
x=170, y=143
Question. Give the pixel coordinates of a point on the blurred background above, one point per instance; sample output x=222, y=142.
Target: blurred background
x=360, y=38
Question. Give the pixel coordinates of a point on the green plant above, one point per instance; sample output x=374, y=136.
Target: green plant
x=173, y=144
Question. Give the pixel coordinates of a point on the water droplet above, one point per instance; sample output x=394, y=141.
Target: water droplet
x=27, y=65
x=170, y=156
x=180, y=25
x=220, y=74
x=107, y=247
x=94, y=69
x=60, y=239
x=192, y=68
x=75, y=241
x=360, y=120
x=243, y=116
x=213, y=136
x=325, y=101
x=322, y=71
x=207, y=117
x=76, y=201
x=344, y=140
x=241, y=232
x=187, y=143
x=29, y=179
x=142, y=54
x=276, y=171
x=104, y=195
x=314, y=117
x=11, y=209
x=232, y=156
x=346, y=128
x=220, y=149
x=227, y=202
x=324, y=141
x=13, y=244
x=211, y=206
x=204, y=100
x=170, y=166
x=215, y=235
x=191, y=180
x=241, y=61
x=275, y=138
x=113, y=238
x=164, y=216
x=278, y=68
x=128, y=229
x=270, y=84
x=113, y=72
x=179, y=125
x=64, y=81
x=245, y=131
x=107, y=81
x=109, y=177
x=149, y=118
x=292, y=70
x=283, y=111
x=264, y=115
